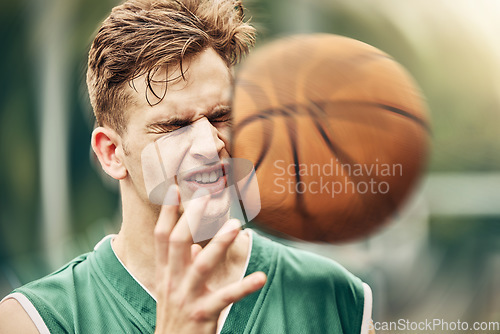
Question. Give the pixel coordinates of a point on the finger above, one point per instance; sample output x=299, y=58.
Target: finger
x=235, y=291
x=195, y=250
x=214, y=253
x=179, y=254
x=166, y=222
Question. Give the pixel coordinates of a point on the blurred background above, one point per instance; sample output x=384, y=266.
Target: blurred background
x=438, y=259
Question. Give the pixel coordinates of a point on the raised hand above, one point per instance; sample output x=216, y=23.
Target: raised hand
x=185, y=303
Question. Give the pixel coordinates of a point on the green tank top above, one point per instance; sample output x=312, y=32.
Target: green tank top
x=305, y=293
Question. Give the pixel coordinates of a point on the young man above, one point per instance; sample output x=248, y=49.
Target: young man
x=159, y=75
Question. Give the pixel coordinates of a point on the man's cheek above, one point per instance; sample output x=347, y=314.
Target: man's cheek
x=225, y=136
x=159, y=170
x=171, y=150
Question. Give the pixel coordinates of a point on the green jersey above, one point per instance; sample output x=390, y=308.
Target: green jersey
x=304, y=293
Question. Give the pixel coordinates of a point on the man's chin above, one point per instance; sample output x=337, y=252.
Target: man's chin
x=218, y=207
x=215, y=214
x=210, y=224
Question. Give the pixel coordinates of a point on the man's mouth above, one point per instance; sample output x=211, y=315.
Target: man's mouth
x=213, y=178
x=207, y=177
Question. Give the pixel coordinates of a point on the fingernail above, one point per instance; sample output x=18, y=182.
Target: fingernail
x=234, y=223
x=231, y=225
x=171, y=198
x=260, y=278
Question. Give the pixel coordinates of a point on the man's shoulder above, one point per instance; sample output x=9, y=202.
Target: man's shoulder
x=79, y=296
x=310, y=287
x=308, y=266
x=28, y=305
x=14, y=318
x=60, y=280
x=316, y=274
x=69, y=276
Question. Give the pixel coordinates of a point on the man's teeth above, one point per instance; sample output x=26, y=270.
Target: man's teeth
x=208, y=177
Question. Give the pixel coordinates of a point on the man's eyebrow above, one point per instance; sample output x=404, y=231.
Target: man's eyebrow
x=171, y=122
x=216, y=112
x=219, y=110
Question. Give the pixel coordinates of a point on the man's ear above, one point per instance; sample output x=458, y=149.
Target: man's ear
x=106, y=144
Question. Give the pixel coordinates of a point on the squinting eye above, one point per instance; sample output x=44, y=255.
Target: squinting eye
x=223, y=119
x=164, y=129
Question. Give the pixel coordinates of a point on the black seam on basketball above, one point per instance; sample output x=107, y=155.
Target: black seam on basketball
x=292, y=132
x=266, y=142
x=250, y=178
x=271, y=112
x=316, y=112
x=396, y=110
x=340, y=154
x=314, y=116
x=404, y=113
x=238, y=127
x=336, y=151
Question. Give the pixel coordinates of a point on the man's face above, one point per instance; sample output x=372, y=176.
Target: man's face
x=187, y=131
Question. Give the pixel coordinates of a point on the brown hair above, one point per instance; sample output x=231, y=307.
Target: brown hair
x=141, y=36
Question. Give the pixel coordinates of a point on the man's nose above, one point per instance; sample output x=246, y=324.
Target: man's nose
x=206, y=143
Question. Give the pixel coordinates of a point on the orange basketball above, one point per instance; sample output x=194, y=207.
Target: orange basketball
x=337, y=130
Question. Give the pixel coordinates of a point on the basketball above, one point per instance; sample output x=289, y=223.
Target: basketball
x=338, y=133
